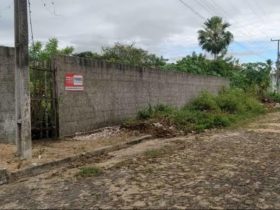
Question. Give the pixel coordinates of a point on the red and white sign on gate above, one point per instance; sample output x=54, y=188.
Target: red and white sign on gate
x=74, y=82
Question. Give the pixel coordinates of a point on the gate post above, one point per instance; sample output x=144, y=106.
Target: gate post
x=23, y=118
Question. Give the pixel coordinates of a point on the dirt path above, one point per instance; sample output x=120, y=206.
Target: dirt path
x=45, y=151
x=230, y=169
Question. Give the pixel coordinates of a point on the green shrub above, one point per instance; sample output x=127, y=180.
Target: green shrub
x=253, y=106
x=186, y=116
x=146, y=113
x=273, y=97
x=163, y=110
x=157, y=111
x=232, y=101
x=208, y=111
x=212, y=120
x=205, y=102
x=186, y=119
x=221, y=121
x=207, y=122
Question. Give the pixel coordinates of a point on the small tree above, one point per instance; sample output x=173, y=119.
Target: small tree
x=126, y=54
x=38, y=52
x=129, y=54
x=214, y=38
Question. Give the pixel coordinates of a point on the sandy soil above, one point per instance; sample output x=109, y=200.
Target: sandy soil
x=48, y=150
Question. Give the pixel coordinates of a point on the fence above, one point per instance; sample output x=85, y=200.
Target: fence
x=7, y=95
x=73, y=95
x=111, y=93
x=43, y=100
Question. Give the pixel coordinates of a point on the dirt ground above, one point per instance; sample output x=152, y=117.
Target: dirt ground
x=231, y=169
x=49, y=150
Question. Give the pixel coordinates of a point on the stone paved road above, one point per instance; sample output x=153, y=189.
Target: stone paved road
x=230, y=169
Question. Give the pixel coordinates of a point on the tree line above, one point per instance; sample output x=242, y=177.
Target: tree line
x=214, y=38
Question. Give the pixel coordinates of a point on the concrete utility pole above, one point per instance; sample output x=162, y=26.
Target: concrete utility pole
x=277, y=63
x=22, y=92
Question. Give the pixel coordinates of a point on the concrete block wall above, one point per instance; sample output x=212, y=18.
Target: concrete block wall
x=117, y=92
x=7, y=95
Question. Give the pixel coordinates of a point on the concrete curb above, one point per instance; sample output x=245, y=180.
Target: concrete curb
x=70, y=162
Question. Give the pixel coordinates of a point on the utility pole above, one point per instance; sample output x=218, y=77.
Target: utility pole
x=22, y=92
x=277, y=63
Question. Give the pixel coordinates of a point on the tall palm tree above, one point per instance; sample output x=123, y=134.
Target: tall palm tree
x=214, y=38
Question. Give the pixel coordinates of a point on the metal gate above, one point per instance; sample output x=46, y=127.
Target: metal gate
x=44, y=118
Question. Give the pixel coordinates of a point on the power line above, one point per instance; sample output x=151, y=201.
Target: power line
x=215, y=6
x=205, y=6
x=203, y=18
x=192, y=9
x=247, y=33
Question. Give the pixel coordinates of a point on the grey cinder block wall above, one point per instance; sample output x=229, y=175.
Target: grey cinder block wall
x=7, y=95
x=116, y=92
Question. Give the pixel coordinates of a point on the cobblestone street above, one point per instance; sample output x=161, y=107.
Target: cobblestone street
x=224, y=169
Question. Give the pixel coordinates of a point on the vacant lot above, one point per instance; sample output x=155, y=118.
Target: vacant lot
x=227, y=169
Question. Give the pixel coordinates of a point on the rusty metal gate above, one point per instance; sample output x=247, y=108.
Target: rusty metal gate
x=44, y=118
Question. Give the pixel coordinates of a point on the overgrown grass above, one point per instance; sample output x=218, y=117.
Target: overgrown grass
x=154, y=153
x=157, y=111
x=273, y=97
x=90, y=172
x=207, y=111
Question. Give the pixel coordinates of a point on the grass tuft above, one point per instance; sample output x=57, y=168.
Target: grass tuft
x=90, y=172
x=154, y=153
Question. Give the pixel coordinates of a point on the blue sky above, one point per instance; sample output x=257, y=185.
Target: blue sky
x=244, y=51
x=261, y=51
x=163, y=27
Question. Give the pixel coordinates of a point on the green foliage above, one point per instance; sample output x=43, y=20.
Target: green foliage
x=38, y=52
x=90, y=172
x=273, y=97
x=205, y=102
x=145, y=113
x=196, y=64
x=253, y=77
x=127, y=54
x=88, y=54
x=156, y=111
x=208, y=111
x=214, y=38
x=232, y=101
x=253, y=106
x=199, y=64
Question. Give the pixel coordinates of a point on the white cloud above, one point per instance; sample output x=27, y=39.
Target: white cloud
x=160, y=26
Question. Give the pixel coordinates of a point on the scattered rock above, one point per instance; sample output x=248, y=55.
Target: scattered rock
x=277, y=106
x=101, y=133
x=139, y=204
x=158, y=125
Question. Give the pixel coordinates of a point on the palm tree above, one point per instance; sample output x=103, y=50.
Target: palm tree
x=214, y=38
